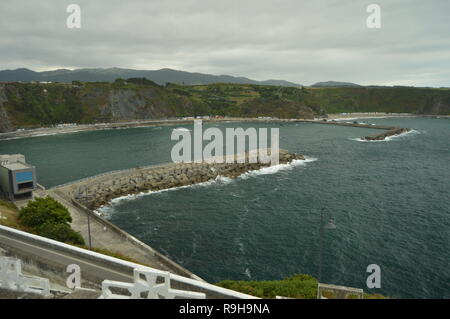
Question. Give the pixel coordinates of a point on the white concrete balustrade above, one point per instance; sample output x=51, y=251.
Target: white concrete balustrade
x=11, y=278
x=148, y=284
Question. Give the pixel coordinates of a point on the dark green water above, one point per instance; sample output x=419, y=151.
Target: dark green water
x=390, y=202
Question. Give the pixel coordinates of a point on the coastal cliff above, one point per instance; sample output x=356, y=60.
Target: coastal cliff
x=5, y=122
x=33, y=105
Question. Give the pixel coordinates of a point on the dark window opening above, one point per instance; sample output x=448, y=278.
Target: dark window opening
x=25, y=185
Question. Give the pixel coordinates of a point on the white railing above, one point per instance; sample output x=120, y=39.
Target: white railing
x=147, y=285
x=113, y=263
x=11, y=278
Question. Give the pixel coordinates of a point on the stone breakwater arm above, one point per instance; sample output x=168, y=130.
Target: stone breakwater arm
x=382, y=136
x=81, y=197
x=389, y=130
x=98, y=191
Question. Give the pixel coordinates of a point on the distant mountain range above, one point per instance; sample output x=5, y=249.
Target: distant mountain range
x=334, y=84
x=161, y=77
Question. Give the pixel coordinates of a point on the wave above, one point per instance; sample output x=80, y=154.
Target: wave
x=387, y=139
x=276, y=168
x=182, y=129
x=219, y=180
x=105, y=209
x=340, y=119
x=39, y=135
x=248, y=273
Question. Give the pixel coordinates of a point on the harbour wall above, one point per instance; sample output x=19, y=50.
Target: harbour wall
x=84, y=196
x=100, y=190
x=389, y=130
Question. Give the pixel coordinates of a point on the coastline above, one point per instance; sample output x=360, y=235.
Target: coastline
x=100, y=229
x=76, y=128
x=84, y=197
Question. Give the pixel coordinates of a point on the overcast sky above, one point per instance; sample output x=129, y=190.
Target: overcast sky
x=295, y=40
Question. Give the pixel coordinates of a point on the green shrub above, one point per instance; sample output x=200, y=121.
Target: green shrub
x=44, y=210
x=60, y=232
x=298, y=286
x=48, y=218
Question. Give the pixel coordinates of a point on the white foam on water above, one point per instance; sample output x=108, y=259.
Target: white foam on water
x=41, y=134
x=276, y=168
x=108, y=208
x=387, y=139
x=248, y=273
x=10, y=138
x=340, y=119
x=182, y=129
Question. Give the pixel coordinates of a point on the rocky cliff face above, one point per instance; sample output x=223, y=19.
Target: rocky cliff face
x=125, y=104
x=27, y=105
x=35, y=105
x=5, y=122
x=437, y=105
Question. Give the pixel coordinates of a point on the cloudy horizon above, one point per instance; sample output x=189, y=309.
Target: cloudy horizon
x=298, y=41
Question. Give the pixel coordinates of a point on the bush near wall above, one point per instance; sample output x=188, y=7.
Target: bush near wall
x=298, y=286
x=48, y=218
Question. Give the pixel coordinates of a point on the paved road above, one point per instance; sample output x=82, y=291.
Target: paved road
x=95, y=269
x=53, y=258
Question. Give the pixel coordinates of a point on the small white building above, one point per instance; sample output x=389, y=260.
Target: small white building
x=17, y=178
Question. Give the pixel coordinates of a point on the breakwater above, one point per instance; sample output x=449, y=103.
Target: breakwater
x=82, y=197
x=389, y=130
x=98, y=191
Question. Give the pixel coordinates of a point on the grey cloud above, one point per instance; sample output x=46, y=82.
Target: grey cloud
x=299, y=41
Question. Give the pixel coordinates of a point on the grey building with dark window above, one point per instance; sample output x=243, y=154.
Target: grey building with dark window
x=17, y=178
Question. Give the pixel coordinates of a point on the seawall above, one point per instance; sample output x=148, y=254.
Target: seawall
x=389, y=130
x=99, y=190
x=82, y=197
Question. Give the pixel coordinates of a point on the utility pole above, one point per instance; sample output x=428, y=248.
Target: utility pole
x=329, y=225
x=88, y=218
x=319, y=271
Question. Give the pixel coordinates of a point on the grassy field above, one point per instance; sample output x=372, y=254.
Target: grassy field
x=9, y=215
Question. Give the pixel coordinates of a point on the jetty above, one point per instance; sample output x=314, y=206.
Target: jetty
x=388, y=130
x=96, y=191
x=84, y=196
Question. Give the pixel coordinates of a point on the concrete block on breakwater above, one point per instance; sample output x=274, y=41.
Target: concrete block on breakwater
x=97, y=191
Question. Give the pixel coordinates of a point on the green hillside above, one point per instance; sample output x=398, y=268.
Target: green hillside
x=39, y=104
